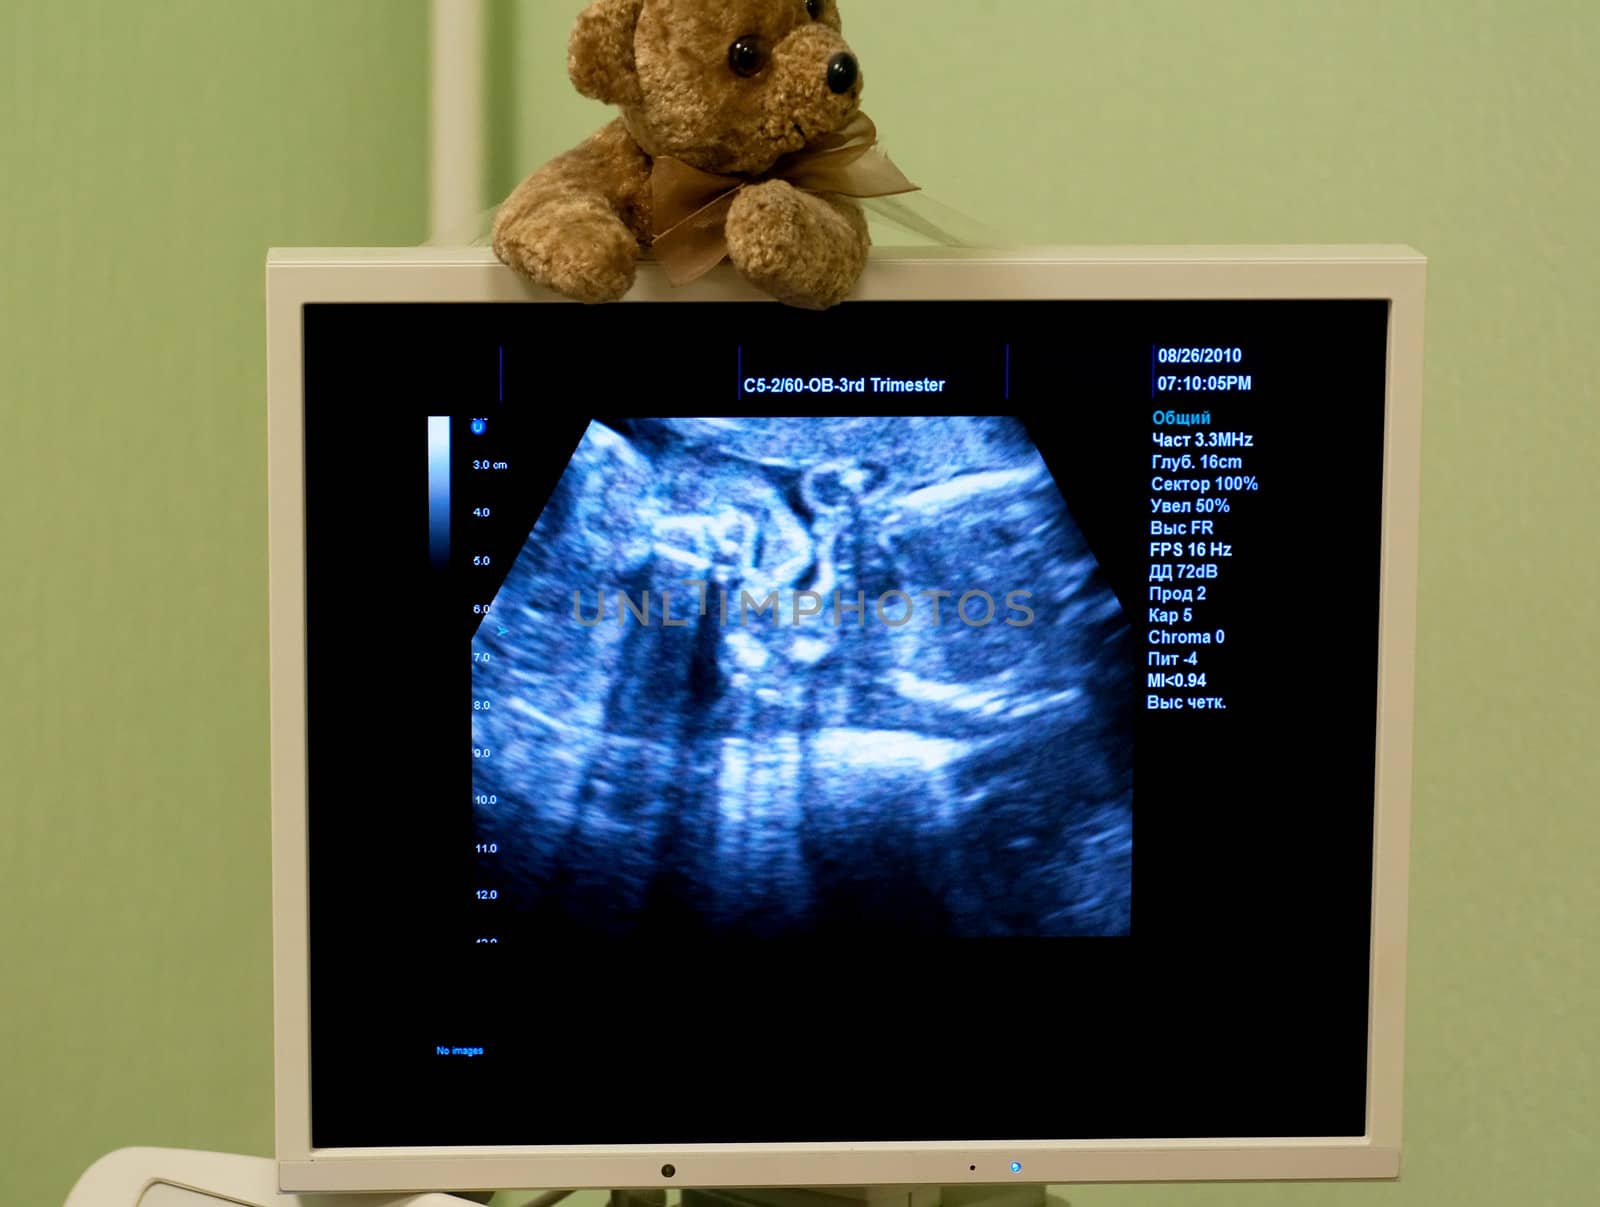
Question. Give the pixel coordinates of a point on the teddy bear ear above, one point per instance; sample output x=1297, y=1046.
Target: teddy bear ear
x=600, y=54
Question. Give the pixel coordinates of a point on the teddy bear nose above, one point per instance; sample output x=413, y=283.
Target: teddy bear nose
x=843, y=72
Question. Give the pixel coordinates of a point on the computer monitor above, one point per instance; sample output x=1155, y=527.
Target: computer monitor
x=960, y=737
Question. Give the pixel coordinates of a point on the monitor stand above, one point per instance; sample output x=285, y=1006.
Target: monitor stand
x=879, y=1196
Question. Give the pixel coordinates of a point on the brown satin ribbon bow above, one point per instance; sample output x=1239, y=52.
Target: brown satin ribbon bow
x=691, y=207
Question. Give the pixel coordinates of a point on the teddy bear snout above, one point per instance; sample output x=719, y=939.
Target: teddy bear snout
x=843, y=72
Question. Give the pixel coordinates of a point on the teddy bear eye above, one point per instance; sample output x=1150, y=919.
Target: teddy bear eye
x=747, y=56
x=814, y=7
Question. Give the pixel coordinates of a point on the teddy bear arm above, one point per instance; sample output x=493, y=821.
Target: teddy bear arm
x=806, y=249
x=576, y=224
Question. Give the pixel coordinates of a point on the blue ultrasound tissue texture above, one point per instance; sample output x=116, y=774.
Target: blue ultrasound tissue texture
x=778, y=774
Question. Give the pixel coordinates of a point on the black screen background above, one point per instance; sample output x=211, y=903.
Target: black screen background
x=1237, y=1008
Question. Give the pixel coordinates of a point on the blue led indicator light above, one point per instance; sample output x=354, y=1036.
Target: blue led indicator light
x=1016, y=1167
x=479, y=427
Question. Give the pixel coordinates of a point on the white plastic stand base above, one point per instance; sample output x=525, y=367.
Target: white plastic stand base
x=169, y=1177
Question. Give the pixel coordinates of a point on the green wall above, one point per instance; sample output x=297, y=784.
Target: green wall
x=149, y=153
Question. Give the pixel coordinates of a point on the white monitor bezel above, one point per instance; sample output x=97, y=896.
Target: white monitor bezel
x=1395, y=274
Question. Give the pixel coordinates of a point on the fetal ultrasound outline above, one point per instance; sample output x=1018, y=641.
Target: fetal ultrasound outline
x=806, y=780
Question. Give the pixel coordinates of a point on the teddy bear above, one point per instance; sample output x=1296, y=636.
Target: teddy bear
x=741, y=136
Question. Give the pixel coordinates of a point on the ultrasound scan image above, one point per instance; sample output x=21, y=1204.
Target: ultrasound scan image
x=787, y=678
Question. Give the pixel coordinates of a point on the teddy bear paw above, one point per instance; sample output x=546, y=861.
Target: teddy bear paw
x=581, y=251
x=801, y=248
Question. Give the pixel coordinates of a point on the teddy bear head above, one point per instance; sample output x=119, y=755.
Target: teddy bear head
x=728, y=86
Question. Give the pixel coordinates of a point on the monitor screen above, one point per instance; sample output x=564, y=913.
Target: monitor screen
x=963, y=736
x=922, y=721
